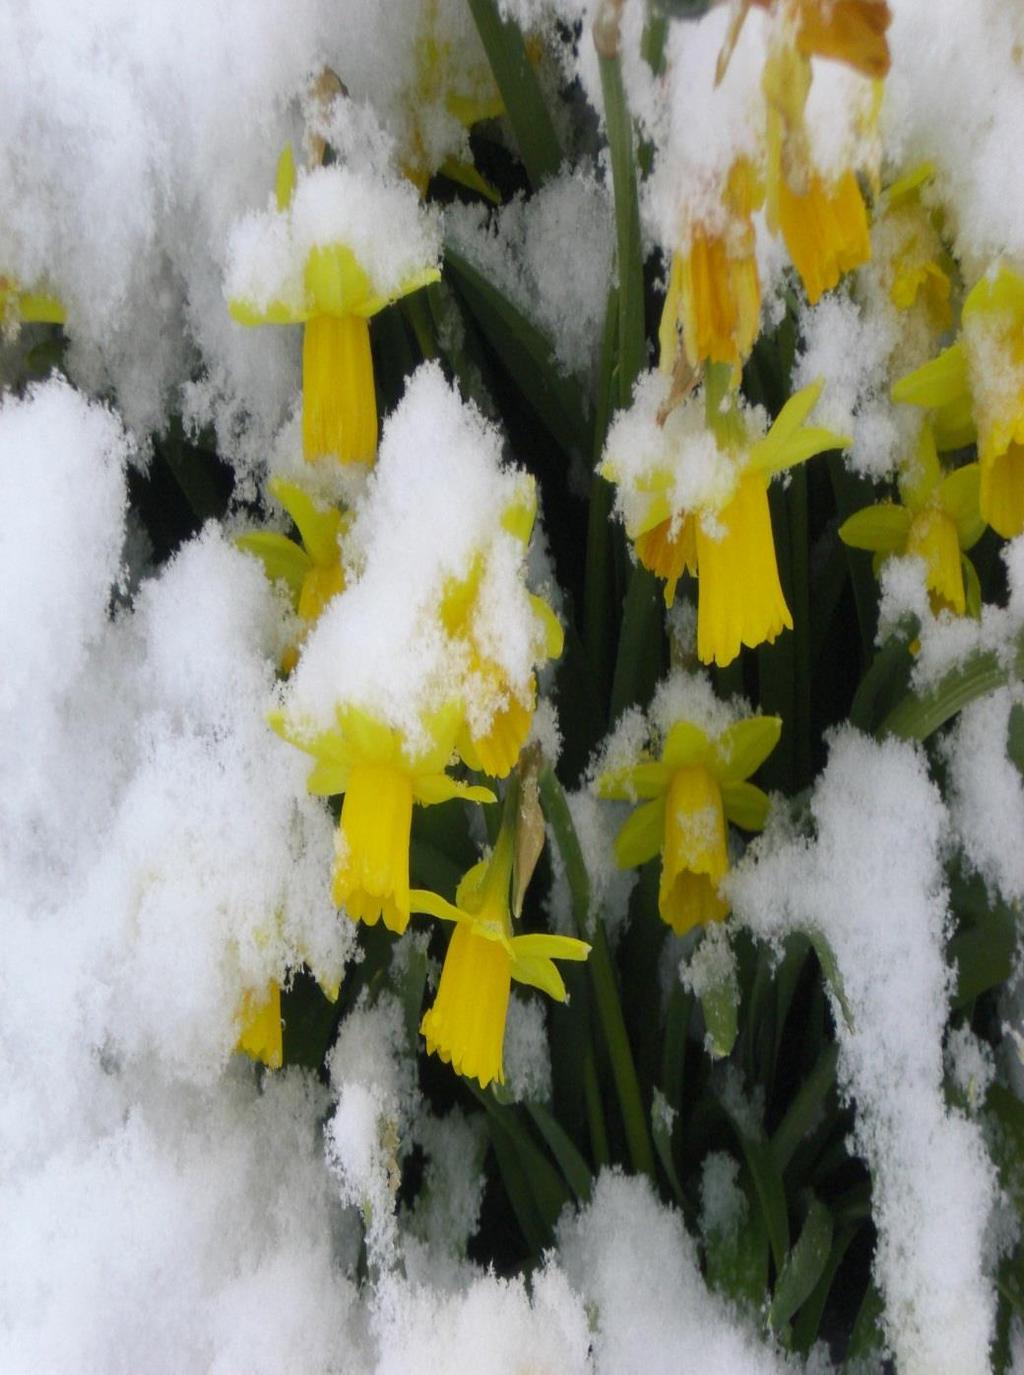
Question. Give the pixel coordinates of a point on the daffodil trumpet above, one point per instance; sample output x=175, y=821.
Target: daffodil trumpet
x=380, y=778
x=465, y=1026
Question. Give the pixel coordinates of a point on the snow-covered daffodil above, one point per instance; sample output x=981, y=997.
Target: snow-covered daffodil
x=913, y=263
x=938, y=520
x=726, y=538
x=466, y=1024
x=494, y=748
x=333, y=293
x=686, y=796
x=823, y=219
x=381, y=777
x=975, y=388
x=714, y=294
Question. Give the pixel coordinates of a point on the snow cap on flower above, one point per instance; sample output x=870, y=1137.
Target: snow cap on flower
x=338, y=241
x=441, y=513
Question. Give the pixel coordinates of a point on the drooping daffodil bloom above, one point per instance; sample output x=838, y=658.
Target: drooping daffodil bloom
x=466, y=1024
x=938, y=520
x=713, y=302
x=912, y=261
x=381, y=777
x=975, y=388
x=823, y=219
x=686, y=796
x=719, y=525
x=494, y=747
x=339, y=247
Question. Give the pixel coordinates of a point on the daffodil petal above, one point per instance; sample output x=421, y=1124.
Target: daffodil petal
x=433, y=905
x=275, y=313
x=283, y=560
x=882, y=528
x=317, y=525
x=745, y=805
x=789, y=442
x=787, y=423
x=540, y=945
x=641, y=836
x=743, y=747
x=684, y=744
x=937, y=382
x=432, y=788
x=328, y=779
x=960, y=494
x=539, y=973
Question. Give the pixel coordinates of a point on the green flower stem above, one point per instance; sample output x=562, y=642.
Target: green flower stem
x=638, y=663
x=632, y=329
x=606, y=995
x=417, y=313
x=800, y=606
x=520, y=90
x=600, y=1153
x=917, y=717
x=851, y=494
x=599, y=577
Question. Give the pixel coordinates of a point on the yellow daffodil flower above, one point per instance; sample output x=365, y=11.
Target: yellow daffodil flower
x=938, y=520
x=381, y=778
x=976, y=388
x=260, y=1017
x=495, y=749
x=714, y=293
x=824, y=222
x=850, y=31
x=20, y=307
x=466, y=91
x=914, y=263
x=338, y=297
x=730, y=546
x=686, y=797
x=466, y=1024
x=311, y=568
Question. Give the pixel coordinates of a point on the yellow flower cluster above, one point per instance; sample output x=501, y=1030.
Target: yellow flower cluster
x=713, y=303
